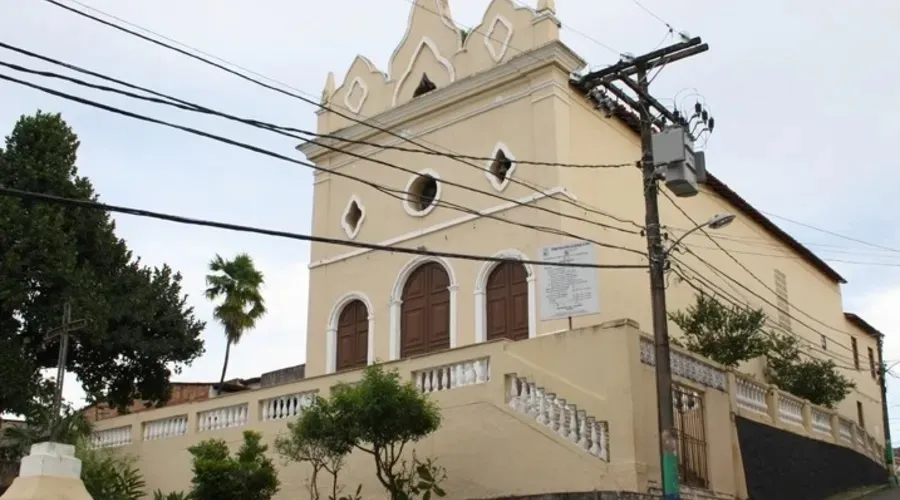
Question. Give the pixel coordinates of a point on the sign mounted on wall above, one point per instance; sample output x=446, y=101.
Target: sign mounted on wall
x=569, y=291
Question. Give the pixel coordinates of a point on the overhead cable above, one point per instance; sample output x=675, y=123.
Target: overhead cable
x=256, y=149
x=94, y=205
x=368, y=123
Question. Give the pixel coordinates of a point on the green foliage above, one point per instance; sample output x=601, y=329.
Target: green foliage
x=175, y=495
x=140, y=328
x=421, y=479
x=72, y=428
x=380, y=416
x=815, y=380
x=109, y=477
x=464, y=34
x=239, y=284
x=318, y=439
x=727, y=335
x=730, y=335
x=248, y=475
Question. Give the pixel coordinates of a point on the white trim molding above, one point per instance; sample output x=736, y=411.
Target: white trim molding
x=481, y=286
x=489, y=39
x=426, y=42
x=397, y=299
x=349, y=230
x=525, y=200
x=357, y=82
x=437, y=195
x=331, y=331
x=489, y=167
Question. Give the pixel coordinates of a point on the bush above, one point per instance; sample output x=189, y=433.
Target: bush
x=107, y=476
x=727, y=335
x=815, y=380
x=249, y=475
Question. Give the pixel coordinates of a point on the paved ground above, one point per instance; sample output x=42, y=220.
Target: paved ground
x=891, y=494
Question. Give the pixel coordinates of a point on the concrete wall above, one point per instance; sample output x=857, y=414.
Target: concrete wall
x=505, y=430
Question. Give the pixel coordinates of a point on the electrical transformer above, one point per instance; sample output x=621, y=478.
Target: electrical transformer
x=673, y=151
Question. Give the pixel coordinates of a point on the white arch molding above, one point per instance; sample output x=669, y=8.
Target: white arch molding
x=397, y=299
x=481, y=286
x=331, y=332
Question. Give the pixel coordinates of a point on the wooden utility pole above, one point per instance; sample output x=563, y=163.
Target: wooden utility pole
x=67, y=327
x=646, y=105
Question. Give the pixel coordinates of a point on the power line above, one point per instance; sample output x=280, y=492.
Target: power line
x=367, y=123
x=766, y=301
x=832, y=233
x=753, y=275
x=93, y=205
x=852, y=262
x=259, y=150
x=719, y=291
x=767, y=242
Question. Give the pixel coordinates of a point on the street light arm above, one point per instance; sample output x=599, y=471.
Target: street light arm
x=683, y=236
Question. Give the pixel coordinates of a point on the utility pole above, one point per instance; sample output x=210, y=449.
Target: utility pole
x=621, y=72
x=67, y=327
x=886, y=423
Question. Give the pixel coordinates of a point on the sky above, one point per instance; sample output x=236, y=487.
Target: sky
x=803, y=93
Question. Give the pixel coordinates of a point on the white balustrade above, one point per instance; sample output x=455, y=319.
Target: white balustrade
x=291, y=405
x=165, y=428
x=452, y=376
x=561, y=417
x=844, y=431
x=790, y=410
x=222, y=418
x=821, y=421
x=111, y=438
x=751, y=395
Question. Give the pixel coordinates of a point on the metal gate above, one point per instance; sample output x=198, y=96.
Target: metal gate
x=690, y=430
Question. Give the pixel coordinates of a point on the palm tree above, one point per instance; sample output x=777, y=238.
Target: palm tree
x=237, y=282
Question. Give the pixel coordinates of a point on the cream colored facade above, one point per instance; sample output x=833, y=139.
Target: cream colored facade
x=516, y=98
x=562, y=410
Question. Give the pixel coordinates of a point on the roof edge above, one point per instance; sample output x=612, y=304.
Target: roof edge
x=863, y=325
x=720, y=188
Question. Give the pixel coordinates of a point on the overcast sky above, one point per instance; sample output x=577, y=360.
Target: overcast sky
x=804, y=94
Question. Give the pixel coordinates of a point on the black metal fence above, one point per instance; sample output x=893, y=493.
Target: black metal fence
x=690, y=429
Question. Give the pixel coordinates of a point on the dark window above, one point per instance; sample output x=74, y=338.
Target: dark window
x=855, y=352
x=872, y=363
x=859, y=414
x=423, y=193
x=501, y=166
x=425, y=86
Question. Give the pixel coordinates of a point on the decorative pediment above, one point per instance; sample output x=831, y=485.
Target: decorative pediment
x=435, y=52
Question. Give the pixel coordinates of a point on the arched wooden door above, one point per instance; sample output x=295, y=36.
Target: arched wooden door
x=353, y=336
x=425, y=311
x=506, y=301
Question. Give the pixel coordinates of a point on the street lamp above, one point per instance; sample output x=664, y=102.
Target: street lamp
x=717, y=221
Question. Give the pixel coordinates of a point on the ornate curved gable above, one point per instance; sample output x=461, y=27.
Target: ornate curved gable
x=435, y=52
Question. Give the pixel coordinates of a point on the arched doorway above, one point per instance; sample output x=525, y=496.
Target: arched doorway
x=353, y=336
x=506, y=302
x=425, y=311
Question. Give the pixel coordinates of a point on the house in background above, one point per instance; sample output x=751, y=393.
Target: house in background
x=568, y=401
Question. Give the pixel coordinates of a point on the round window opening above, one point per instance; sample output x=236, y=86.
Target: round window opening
x=422, y=193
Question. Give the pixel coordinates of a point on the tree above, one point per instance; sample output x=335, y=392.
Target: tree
x=316, y=438
x=218, y=475
x=815, y=380
x=140, y=329
x=380, y=416
x=238, y=282
x=727, y=335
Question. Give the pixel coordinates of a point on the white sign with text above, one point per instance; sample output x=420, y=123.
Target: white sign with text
x=569, y=291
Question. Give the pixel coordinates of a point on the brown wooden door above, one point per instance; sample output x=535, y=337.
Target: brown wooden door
x=425, y=312
x=353, y=336
x=506, y=301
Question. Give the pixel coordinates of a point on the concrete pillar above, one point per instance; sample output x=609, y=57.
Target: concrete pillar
x=49, y=472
